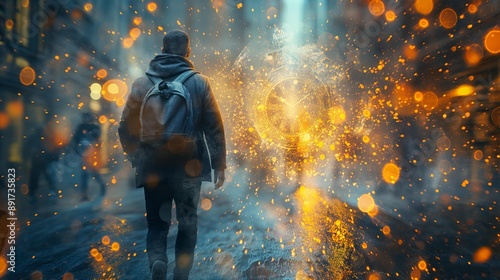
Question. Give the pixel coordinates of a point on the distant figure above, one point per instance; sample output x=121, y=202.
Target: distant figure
x=163, y=138
x=42, y=151
x=85, y=142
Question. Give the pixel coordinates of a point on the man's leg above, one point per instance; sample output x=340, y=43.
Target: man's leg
x=159, y=212
x=186, y=199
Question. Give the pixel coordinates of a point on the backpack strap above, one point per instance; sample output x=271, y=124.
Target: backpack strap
x=185, y=75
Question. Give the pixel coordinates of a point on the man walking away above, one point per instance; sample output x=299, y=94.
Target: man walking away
x=170, y=118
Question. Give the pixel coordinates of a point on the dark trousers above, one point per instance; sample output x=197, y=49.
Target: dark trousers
x=41, y=167
x=98, y=178
x=159, y=199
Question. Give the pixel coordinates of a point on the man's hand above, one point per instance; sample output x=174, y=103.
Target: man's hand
x=219, y=178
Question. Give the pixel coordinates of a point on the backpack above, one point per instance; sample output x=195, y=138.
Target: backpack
x=167, y=117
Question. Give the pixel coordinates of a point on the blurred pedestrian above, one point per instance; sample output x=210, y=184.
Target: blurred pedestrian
x=170, y=163
x=86, y=143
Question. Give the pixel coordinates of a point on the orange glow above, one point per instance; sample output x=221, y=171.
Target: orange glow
x=366, y=203
x=103, y=119
x=152, y=6
x=114, y=89
x=473, y=54
x=98, y=257
x=25, y=3
x=492, y=41
x=424, y=23
x=376, y=7
x=415, y=274
x=68, y=276
x=424, y=6
x=3, y=266
x=94, y=252
x=87, y=7
x=410, y=51
x=120, y=102
x=102, y=73
x=448, y=18
x=27, y=76
x=4, y=120
x=390, y=173
x=15, y=109
x=128, y=42
x=374, y=276
x=482, y=255
x=206, y=204
x=374, y=211
x=390, y=16
x=386, y=230
x=418, y=96
x=463, y=90
x=478, y=155
x=337, y=114
x=115, y=246
x=24, y=189
x=366, y=139
x=137, y=20
x=105, y=240
x=422, y=265
x=472, y=9
x=430, y=100
x=9, y=24
x=135, y=33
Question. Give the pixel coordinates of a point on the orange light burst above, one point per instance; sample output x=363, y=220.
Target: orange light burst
x=337, y=114
x=27, y=76
x=103, y=119
x=105, y=240
x=472, y=8
x=418, y=96
x=102, y=73
x=115, y=246
x=422, y=265
x=424, y=6
x=473, y=54
x=492, y=41
x=376, y=7
x=137, y=20
x=9, y=24
x=424, y=23
x=390, y=173
x=128, y=43
x=206, y=204
x=448, y=18
x=135, y=33
x=87, y=7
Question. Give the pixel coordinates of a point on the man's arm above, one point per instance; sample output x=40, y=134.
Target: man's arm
x=214, y=132
x=130, y=126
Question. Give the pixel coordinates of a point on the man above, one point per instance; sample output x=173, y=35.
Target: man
x=157, y=174
x=85, y=138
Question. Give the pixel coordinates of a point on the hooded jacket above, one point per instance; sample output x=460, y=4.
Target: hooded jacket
x=210, y=132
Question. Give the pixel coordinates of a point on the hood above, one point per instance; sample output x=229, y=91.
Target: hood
x=167, y=66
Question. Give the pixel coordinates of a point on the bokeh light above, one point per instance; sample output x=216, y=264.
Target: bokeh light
x=430, y=100
x=390, y=173
x=448, y=18
x=473, y=54
x=27, y=76
x=114, y=89
x=482, y=254
x=424, y=6
x=492, y=41
x=366, y=203
x=102, y=73
x=376, y=7
x=152, y=7
x=390, y=16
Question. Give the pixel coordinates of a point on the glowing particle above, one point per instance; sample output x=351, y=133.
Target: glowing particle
x=114, y=89
x=374, y=276
x=15, y=109
x=482, y=255
x=206, y=204
x=239, y=5
x=137, y=20
x=376, y=7
x=152, y=7
x=386, y=230
x=424, y=23
x=68, y=276
x=390, y=173
x=9, y=24
x=374, y=211
x=134, y=33
x=495, y=116
x=478, y=155
x=115, y=246
x=366, y=139
x=418, y=96
x=429, y=100
x=390, y=16
x=337, y=114
x=102, y=73
x=422, y=265
x=366, y=203
x=364, y=245
x=472, y=8
x=98, y=257
x=492, y=41
x=120, y=102
x=87, y=7
x=473, y=54
x=27, y=76
x=95, y=95
x=448, y=18
x=271, y=13
x=128, y=42
x=424, y=6
x=178, y=22
x=105, y=240
x=94, y=252
x=103, y=119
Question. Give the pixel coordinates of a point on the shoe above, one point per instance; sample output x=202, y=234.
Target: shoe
x=159, y=270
